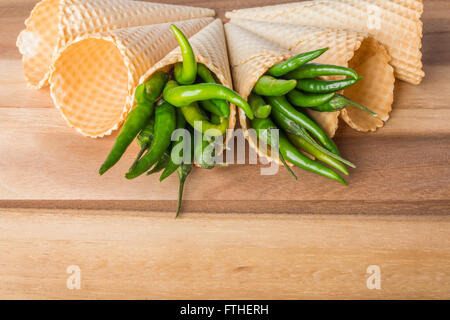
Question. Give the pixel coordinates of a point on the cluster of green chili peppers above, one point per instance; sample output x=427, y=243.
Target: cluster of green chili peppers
x=295, y=83
x=188, y=99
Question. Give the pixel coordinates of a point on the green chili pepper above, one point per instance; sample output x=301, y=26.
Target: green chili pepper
x=183, y=172
x=203, y=151
x=186, y=72
x=145, y=137
x=339, y=102
x=206, y=75
x=301, y=143
x=169, y=86
x=312, y=70
x=266, y=136
x=270, y=86
x=141, y=95
x=325, y=86
x=215, y=119
x=281, y=104
x=211, y=107
x=183, y=95
x=304, y=100
x=280, y=156
x=290, y=126
x=293, y=63
x=289, y=152
x=259, y=107
x=165, y=121
x=200, y=122
x=171, y=166
x=145, y=96
x=134, y=123
x=151, y=90
x=161, y=164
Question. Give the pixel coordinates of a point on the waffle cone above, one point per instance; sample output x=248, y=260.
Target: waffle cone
x=394, y=23
x=345, y=48
x=210, y=48
x=251, y=56
x=93, y=79
x=54, y=23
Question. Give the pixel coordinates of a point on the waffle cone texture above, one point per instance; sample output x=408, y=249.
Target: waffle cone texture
x=53, y=24
x=394, y=23
x=210, y=48
x=255, y=46
x=94, y=78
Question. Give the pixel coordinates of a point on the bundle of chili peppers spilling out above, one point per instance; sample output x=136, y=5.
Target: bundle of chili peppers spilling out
x=190, y=98
x=280, y=99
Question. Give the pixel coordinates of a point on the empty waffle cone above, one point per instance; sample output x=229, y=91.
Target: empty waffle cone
x=93, y=79
x=54, y=23
x=210, y=48
x=394, y=23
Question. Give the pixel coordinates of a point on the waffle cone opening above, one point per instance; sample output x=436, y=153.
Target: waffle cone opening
x=55, y=23
x=92, y=90
x=93, y=79
x=375, y=91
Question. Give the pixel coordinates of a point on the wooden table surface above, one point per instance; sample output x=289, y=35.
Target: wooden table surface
x=242, y=235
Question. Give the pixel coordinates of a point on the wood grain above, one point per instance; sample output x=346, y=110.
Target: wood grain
x=235, y=255
x=243, y=235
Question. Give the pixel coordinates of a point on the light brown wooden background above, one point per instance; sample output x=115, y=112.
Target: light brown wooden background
x=242, y=235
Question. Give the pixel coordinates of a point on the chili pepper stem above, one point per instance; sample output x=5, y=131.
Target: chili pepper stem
x=180, y=197
x=141, y=152
x=309, y=148
x=305, y=135
x=286, y=166
x=281, y=105
x=359, y=106
x=291, y=127
x=290, y=152
x=183, y=173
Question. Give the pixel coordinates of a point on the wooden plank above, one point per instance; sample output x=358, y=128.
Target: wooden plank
x=302, y=207
x=49, y=162
x=251, y=236
x=14, y=92
x=409, y=155
x=137, y=255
